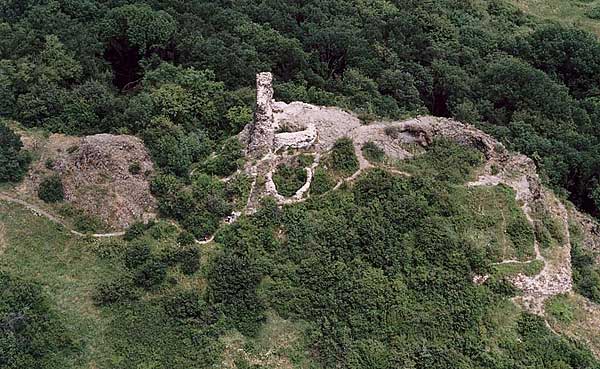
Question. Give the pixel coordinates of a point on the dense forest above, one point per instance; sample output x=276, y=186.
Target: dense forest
x=377, y=274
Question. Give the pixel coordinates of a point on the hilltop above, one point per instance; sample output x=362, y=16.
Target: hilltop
x=394, y=206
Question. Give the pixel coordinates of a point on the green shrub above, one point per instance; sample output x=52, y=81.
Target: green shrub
x=137, y=254
x=322, y=182
x=190, y=265
x=586, y=274
x=238, y=189
x=373, y=153
x=49, y=164
x=227, y=160
x=594, y=12
x=136, y=230
x=343, y=158
x=150, y=274
x=289, y=179
x=305, y=160
x=185, y=238
x=14, y=161
x=162, y=230
x=86, y=223
x=201, y=224
x=51, y=190
x=189, y=258
x=119, y=290
x=233, y=282
x=32, y=333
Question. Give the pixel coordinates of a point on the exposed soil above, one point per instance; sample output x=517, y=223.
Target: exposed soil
x=95, y=171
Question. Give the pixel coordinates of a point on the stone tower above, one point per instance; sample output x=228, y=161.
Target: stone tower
x=262, y=130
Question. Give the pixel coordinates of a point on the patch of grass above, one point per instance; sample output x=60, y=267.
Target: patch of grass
x=342, y=158
x=572, y=316
x=568, y=12
x=530, y=269
x=492, y=220
x=279, y=343
x=289, y=179
x=42, y=251
x=548, y=229
x=561, y=308
x=501, y=323
x=445, y=161
x=322, y=182
x=373, y=153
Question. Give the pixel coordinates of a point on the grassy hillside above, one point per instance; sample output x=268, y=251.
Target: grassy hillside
x=377, y=274
x=584, y=14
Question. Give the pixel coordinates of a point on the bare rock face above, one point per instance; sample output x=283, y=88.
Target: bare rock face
x=262, y=131
x=107, y=176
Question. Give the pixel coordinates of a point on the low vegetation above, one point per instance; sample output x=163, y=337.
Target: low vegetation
x=51, y=189
x=14, y=161
x=377, y=274
x=378, y=270
x=373, y=153
x=342, y=158
x=586, y=273
x=289, y=179
x=322, y=182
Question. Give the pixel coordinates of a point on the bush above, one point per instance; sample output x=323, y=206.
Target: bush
x=136, y=255
x=189, y=258
x=189, y=304
x=14, y=161
x=227, y=160
x=111, y=292
x=86, y=223
x=150, y=274
x=373, y=153
x=322, y=182
x=343, y=158
x=51, y=190
x=289, y=179
x=185, y=238
x=136, y=230
x=594, y=12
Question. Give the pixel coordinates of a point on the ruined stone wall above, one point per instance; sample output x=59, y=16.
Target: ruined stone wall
x=262, y=131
